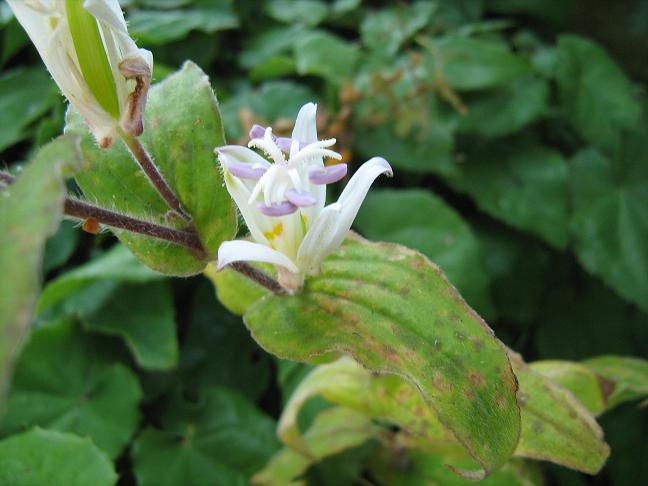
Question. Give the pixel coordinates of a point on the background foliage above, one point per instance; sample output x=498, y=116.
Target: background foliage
x=517, y=132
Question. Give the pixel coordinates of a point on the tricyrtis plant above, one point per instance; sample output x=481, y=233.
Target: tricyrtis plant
x=403, y=360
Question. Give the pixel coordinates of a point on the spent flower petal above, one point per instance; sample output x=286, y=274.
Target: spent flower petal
x=86, y=48
x=282, y=198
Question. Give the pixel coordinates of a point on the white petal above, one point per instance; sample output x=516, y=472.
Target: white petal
x=254, y=220
x=236, y=153
x=107, y=11
x=240, y=250
x=355, y=192
x=305, y=129
x=318, y=242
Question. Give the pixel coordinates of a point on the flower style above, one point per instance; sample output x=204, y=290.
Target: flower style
x=283, y=202
x=86, y=47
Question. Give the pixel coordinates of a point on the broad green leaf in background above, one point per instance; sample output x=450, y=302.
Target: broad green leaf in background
x=222, y=437
x=182, y=127
x=506, y=109
x=53, y=458
x=527, y=188
x=470, y=64
x=142, y=315
x=60, y=247
x=549, y=411
x=394, y=312
x=333, y=431
x=218, y=351
x=386, y=29
x=274, y=101
x=596, y=94
x=626, y=376
x=609, y=221
x=117, y=265
x=270, y=46
x=156, y=27
x=517, y=266
x=25, y=95
x=300, y=12
x=69, y=381
x=425, y=150
x=30, y=211
x=420, y=220
x=314, y=56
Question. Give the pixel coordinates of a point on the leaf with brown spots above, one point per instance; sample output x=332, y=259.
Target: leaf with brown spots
x=555, y=426
x=356, y=306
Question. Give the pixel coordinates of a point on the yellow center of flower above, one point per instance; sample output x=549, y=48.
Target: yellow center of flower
x=92, y=56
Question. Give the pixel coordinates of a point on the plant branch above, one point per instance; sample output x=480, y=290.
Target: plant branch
x=82, y=210
x=154, y=175
x=259, y=277
x=78, y=209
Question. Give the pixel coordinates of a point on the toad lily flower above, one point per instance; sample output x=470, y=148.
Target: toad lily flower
x=86, y=47
x=282, y=201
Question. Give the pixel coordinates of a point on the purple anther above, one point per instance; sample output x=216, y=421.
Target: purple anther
x=277, y=209
x=300, y=199
x=284, y=143
x=257, y=131
x=328, y=175
x=246, y=171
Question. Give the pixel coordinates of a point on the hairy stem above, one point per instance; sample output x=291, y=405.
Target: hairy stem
x=154, y=175
x=78, y=209
x=259, y=277
x=82, y=210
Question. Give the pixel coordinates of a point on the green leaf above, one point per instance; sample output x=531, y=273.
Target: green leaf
x=235, y=291
x=524, y=186
x=218, y=351
x=386, y=29
x=506, y=110
x=394, y=312
x=30, y=211
x=609, y=223
x=424, y=222
x=53, y=458
x=66, y=380
x=25, y=95
x=555, y=426
x=304, y=12
x=273, y=101
x=346, y=383
x=425, y=468
x=116, y=265
x=157, y=27
x=425, y=150
x=596, y=95
x=627, y=377
x=576, y=378
x=517, y=267
x=472, y=64
x=60, y=247
x=182, y=127
x=143, y=316
x=333, y=431
x=313, y=56
x=223, y=437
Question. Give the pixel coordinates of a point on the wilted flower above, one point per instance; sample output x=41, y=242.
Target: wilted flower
x=86, y=48
x=283, y=202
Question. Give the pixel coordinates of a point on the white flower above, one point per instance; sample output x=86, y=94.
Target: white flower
x=86, y=47
x=283, y=202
